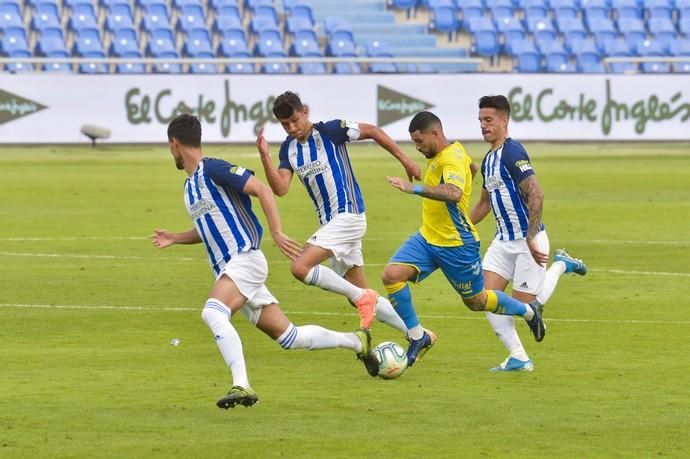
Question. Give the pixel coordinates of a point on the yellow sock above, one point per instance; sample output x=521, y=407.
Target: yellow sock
x=491, y=301
x=393, y=288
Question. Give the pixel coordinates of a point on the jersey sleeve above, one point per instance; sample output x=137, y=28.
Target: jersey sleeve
x=226, y=174
x=515, y=159
x=341, y=131
x=456, y=170
x=283, y=156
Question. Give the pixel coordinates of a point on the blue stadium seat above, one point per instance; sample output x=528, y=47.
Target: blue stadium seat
x=541, y=28
x=526, y=57
x=108, y=4
x=180, y=4
x=565, y=8
x=51, y=42
x=345, y=68
x=338, y=28
x=555, y=57
x=443, y=19
x=485, y=40
x=191, y=18
x=305, y=44
x=93, y=68
x=294, y=24
x=198, y=44
x=156, y=16
x=227, y=20
x=341, y=48
x=681, y=47
x=663, y=30
x=603, y=30
x=74, y=4
x=471, y=9
x=10, y=16
x=254, y=3
x=595, y=9
x=312, y=68
x=512, y=30
x=239, y=68
x=399, y=4
x=479, y=23
x=268, y=11
x=120, y=16
x=633, y=30
x=619, y=48
x=46, y=15
x=161, y=44
x=233, y=44
x=681, y=67
x=571, y=28
x=269, y=43
x=626, y=9
x=18, y=67
x=588, y=56
x=501, y=9
x=301, y=10
x=202, y=68
x=167, y=68
x=275, y=68
x=535, y=8
x=378, y=48
x=588, y=66
x=14, y=43
x=88, y=43
x=83, y=17
x=130, y=68
x=651, y=48
x=57, y=67
x=684, y=25
x=658, y=8
x=261, y=24
x=216, y=5
x=124, y=43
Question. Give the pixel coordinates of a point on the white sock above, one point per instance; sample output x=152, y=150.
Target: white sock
x=327, y=279
x=416, y=332
x=550, y=281
x=504, y=327
x=313, y=337
x=385, y=312
x=217, y=317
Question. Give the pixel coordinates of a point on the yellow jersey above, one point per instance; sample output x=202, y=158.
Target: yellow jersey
x=447, y=224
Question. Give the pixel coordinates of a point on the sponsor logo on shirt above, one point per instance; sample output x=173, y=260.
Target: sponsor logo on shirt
x=493, y=183
x=311, y=169
x=200, y=208
x=237, y=170
x=523, y=165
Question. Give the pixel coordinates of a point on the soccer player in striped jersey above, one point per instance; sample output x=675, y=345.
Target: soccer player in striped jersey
x=217, y=198
x=317, y=153
x=447, y=239
x=519, y=252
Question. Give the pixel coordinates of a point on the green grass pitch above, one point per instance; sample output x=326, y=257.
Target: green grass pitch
x=88, y=308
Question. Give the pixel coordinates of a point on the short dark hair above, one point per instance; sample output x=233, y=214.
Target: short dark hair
x=186, y=129
x=499, y=102
x=423, y=121
x=286, y=105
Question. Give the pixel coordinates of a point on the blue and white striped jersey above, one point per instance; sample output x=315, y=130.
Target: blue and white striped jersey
x=323, y=165
x=222, y=213
x=503, y=169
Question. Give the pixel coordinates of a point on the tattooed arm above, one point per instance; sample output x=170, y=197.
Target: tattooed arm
x=535, y=202
x=443, y=192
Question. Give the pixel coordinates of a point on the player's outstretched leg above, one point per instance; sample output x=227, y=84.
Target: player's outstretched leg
x=572, y=264
x=370, y=361
x=513, y=364
x=536, y=324
x=238, y=396
x=366, y=305
x=419, y=347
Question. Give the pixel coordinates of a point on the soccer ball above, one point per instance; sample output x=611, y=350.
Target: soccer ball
x=392, y=359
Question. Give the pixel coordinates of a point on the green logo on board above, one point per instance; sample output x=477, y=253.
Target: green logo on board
x=392, y=106
x=13, y=106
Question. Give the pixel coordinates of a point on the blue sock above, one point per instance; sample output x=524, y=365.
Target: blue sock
x=509, y=306
x=402, y=302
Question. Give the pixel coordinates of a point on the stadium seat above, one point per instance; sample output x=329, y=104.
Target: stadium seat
x=233, y=44
x=202, y=68
x=261, y=24
x=268, y=11
x=633, y=30
x=304, y=44
x=534, y=8
x=46, y=16
x=312, y=68
x=180, y=4
x=74, y=4
x=590, y=67
x=658, y=8
x=526, y=57
x=681, y=67
x=684, y=25
x=51, y=42
x=338, y=28
x=401, y=5
x=88, y=43
x=108, y=4
x=512, y=31
x=471, y=9
x=301, y=10
x=541, y=28
x=501, y=9
x=83, y=17
x=120, y=16
x=124, y=43
x=651, y=48
x=10, y=16
x=14, y=43
x=161, y=44
x=346, y=68
x=167, y=68
x=18, y=67
x=217, y=5
x=663, y=30
x=443, y=19
x=340, y=48
x=130, y=68
x=565, y=8
x=587, y=56
x=239, y=68
x=275, y=68
x=269, y=43
x=198, y=44
x=57, y=67
x=595, y=9
x=571, y=28
x=294, y=24
x=191, y=18
x=485, y=42
x=681, y=47
x=603, y=30
x=156, y=16
x=93, y=68
x=228, y=19
x=555, y=57
x=619, y=48
x=479, y=23
x=626, y=9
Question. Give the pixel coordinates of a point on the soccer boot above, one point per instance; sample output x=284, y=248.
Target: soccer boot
x=238, y=396
x=419, y=347
x=536, y=324
x=513, y=364
x=572, y=265
x=366, y=305
x=371, y=363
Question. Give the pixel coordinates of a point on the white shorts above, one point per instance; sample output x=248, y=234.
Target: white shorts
x=343, y=236
x=248, y=270
x=513, y=261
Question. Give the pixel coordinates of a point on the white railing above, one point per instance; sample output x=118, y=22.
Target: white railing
x=607, y=61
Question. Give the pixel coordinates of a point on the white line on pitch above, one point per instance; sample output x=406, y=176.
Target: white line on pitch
x=322, y=313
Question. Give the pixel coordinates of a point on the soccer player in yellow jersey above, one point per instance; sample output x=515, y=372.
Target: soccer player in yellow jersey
x=447, y=239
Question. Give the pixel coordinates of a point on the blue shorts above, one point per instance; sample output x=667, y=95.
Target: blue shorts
x=462, y=265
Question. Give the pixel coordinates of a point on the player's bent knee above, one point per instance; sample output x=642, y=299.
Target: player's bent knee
x=299, y=270
x=391, y=275
x=214, y=312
